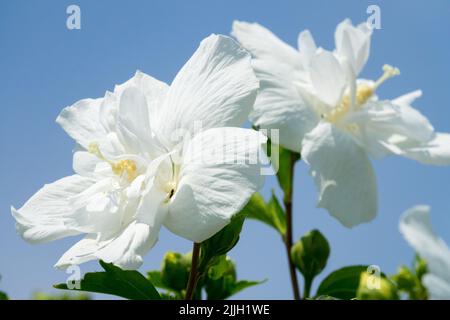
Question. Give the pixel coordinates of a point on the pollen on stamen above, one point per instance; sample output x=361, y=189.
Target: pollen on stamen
x=125, y=166
x=95, y=150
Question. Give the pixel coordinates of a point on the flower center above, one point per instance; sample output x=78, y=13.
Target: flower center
x=119, y=168
x=362, y=95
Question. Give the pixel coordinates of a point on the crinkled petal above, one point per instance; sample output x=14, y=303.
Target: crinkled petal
x=435, y=152
x=42, y=218
x=343, y=175
x=216, y=87
x=387, y=127
x=220, y=170
x=82, y=122
x=126, y=250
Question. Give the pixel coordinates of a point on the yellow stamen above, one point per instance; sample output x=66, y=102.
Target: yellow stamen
x=389, y=72
x=363, y=94
x=120, y=167
x=125, y=166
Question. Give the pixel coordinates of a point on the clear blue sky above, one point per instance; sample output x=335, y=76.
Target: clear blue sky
x=45, y=67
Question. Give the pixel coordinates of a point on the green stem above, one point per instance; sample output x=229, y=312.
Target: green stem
x=193, y=274
x=306, y=292
x=288, y=237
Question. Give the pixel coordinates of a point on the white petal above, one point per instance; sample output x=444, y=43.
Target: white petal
x=279, y=106
x=278, y=66
x=133, y=123
x=353, y=44
x=82, y=121
x=127, y=246
x=263, y=44
x=327, y=77
x=438, y=289
x=435, y=152
x=85, y=164
x=42, y=218
x=391, y=128
x=153, y=90
x=307, y=47
x=415, y=226
x=343, y=175
x=216, y=87
x=219, y=173
x=125, y=250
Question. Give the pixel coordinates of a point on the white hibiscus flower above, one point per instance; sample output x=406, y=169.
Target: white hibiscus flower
x=135, y=169
x=334, y=119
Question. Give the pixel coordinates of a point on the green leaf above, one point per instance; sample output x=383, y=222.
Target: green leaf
x=155, y=278
x=115, y=281
x=222, y=242
x=342, y=283
x=277, y=214
x=325, y=298
x=244, y=284
x=283, y=167
x=64, y=296
x=221, y=283
x=3, y=296
x=271, y=213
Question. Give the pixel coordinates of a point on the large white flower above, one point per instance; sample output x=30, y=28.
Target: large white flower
x=334, y=119
x=150, y=154
x=415, y=226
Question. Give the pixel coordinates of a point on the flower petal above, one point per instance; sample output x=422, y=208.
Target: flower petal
x=125, y=250
x=438, y=289
x=81, y=121
x=391, y=127
x=435, y=152
x=219, y=173
x=263, y=44
x=307, y=47
x=133, y=124
x=278, y=66
x=416, y=227
x=153, y=90
x=327, y=77
x=353, y=44
x=42, y=218
x=215, y=88
x=343, y=175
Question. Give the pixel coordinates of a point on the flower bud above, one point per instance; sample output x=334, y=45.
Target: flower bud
x=175, y=270
x=310, y=254
x=383, y=290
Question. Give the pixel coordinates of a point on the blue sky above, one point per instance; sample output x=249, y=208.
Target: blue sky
x=45, y=67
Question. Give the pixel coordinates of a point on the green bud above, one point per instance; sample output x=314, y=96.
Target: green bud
x=405, y=279
x=372, y=287
x=310, y=254
x=175, y=270
x=224, y=266
x=421, y=267
x=221, y=279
